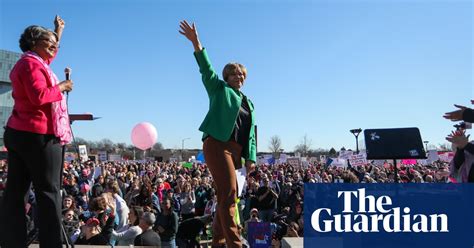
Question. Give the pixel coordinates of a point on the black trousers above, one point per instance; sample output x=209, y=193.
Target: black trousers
x=33, y=158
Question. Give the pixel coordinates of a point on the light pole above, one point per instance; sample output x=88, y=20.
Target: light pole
x=356, y=133
x=426, y=145
x=182, y=146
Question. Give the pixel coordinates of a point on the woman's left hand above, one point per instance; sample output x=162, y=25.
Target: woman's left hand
x=458, y=138
x=59, y=22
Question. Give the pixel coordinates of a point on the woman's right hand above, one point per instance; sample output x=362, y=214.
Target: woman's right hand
x=190, y=32
x=66, y=85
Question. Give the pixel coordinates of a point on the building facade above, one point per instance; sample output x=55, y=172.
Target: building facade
x=7, y=61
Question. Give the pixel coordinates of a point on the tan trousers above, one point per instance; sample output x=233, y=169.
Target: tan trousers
x=221, y=158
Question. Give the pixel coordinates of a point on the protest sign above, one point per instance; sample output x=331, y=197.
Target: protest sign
x=358, y=160
x=115, y=157
x=259, y=234
x=83, y=153
x=295, y=162
x=345, y=154
x=337, y=162
x=102, y=156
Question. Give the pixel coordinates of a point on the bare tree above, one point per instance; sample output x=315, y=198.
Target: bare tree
x=275, y=144
x=106, y=145
x=156, y=149
x=157, y=146
x=305, y=146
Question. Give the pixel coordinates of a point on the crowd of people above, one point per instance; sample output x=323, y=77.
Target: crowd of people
x=163, y=204
x=166, y=204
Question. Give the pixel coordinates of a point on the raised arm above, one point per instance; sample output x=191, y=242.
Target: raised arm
x=58, y=26
x=190, y=32
x=209, y=76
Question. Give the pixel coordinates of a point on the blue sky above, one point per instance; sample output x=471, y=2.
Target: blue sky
x=315, y=67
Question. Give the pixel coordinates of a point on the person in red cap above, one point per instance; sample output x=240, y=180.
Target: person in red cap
x=92, y=234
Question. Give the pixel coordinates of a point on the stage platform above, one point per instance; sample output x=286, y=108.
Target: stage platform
x=285, y=243
x=292, y=243
x=99, y=246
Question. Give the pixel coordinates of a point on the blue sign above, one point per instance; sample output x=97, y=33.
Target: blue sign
x=389, y=215
x=200, y=157
x=259, y=234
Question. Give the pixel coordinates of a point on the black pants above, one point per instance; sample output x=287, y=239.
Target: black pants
x=33, y=158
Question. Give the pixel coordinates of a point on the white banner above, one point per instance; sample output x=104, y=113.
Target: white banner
x=345, y=154
x=358, y=160
x=432, y=156
x=337, y=162
x=115, y=157
x=379, y=162
x=295, y=162
x=283, y=158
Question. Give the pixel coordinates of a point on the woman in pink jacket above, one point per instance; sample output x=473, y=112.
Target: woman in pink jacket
x=35, y=134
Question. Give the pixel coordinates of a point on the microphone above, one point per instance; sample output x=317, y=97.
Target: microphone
x=67, y=72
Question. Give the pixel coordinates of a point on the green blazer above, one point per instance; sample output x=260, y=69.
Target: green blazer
x=224, y=106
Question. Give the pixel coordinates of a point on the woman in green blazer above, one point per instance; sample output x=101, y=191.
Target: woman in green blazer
x=229, y=136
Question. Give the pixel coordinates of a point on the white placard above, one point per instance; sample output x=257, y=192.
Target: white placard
x=358, y=160
x=313, y=160
x=295, y=162
x=283, y=158
x=115, y=157
x=432, y=156
x=240, y=174
x=345, y=154
x=337, y=162
x=102, y=156
x=83, y=153
x=97, y=172
x=379, y=162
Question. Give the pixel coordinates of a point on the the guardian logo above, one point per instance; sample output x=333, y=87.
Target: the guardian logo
x=377, y=216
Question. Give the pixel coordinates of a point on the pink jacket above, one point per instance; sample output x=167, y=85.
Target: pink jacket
x=33, y=94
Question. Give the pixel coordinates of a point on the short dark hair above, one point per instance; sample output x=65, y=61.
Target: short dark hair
x=230, y=68
x=98, y=204
x=31, y=35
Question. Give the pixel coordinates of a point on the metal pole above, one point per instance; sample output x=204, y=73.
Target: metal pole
x=357, y=144
x=182, y=147
x=396, y=170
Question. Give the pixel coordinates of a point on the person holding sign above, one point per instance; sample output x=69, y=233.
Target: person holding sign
x=228, y=136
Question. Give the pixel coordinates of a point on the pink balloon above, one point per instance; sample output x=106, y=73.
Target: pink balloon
x=144, y=135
